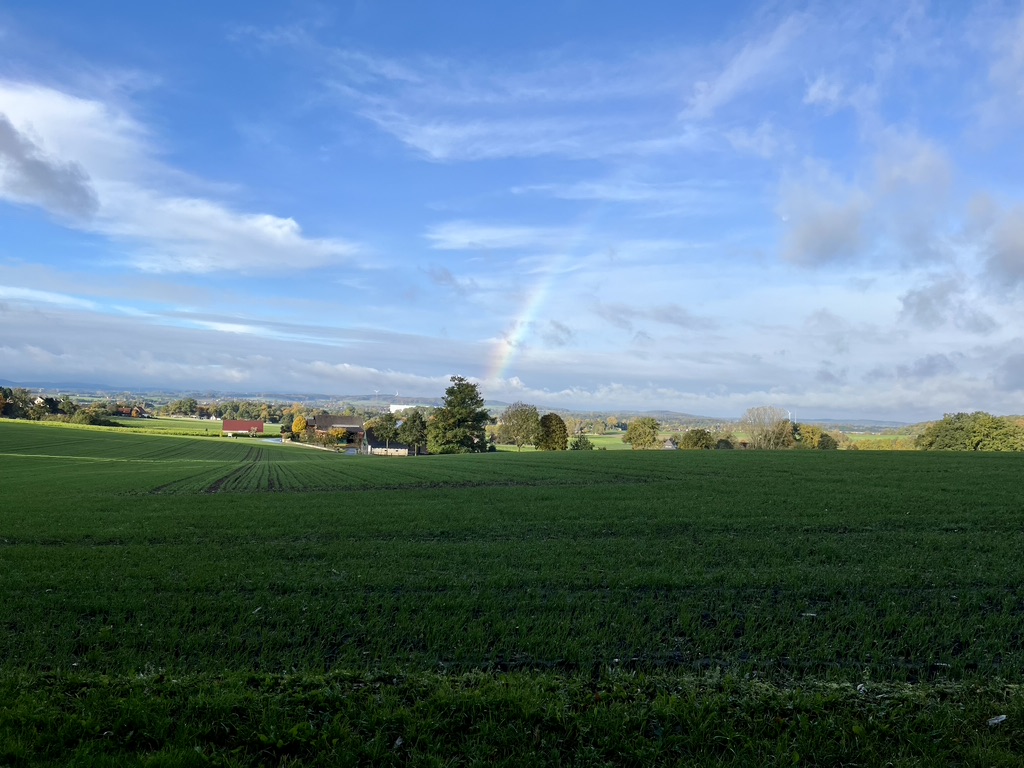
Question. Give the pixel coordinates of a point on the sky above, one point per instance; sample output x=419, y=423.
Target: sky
x=586, y=205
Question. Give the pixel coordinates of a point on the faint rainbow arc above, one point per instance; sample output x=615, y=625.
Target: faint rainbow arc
x=505, y=348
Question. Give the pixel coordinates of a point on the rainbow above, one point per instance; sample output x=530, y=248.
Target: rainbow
x=505, y=348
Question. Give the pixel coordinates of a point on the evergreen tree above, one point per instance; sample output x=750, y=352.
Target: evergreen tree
x=553, y=433
x=581, y=443
x=458, y=425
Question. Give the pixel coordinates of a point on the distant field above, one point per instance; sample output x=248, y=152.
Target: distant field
x=859, y=437
x=255, y=603
x=182, y=426
x=611, y=442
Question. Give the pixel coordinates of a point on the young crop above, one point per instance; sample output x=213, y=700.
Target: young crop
x=230, y=560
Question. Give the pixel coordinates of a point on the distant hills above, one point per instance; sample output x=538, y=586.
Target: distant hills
x=666, y=417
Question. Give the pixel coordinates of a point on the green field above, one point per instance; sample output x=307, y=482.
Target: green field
x=174, y=601
x=173, y=426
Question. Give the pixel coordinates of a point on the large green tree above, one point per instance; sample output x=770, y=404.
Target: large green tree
x=385, y=427
x=519, y=425
x=458, y=425
x=413, y=431
x=17, y=403
x=697, y=439
x=978, y=431
x=553, y=433
x=642, y=434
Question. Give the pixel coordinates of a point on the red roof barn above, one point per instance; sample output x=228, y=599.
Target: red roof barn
x=242, y=427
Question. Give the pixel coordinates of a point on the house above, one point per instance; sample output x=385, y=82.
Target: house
x=235, y=427
x=134, y=411
x=324, y=424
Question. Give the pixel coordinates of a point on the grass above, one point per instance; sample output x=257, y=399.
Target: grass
x=173, y=426
x=612, y=442
x=166, y=598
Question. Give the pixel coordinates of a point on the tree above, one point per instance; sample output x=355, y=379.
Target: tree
x=581, y=443
x=385, y=427
x=187, y=406
x=768, y=427
x=413, y=431
x=813, y=437
x=299, y=425
x=458, y=425
x=697, y=439
x=520, y=424
x=642, y=433
x=553, y=434
x=978, y=431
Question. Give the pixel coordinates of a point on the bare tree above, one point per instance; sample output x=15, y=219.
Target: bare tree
x=768, y=426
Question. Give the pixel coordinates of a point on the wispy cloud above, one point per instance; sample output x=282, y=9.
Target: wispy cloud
x=624, y=316
x=550, y=104
x=32, y=296
x=752, y=64
x=466, y=235
x=678, y=197
x=443, y=278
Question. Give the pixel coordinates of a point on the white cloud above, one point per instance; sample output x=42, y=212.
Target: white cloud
x=824, y=92
x=1005, y=261
x=899, y=206
x=945, y=301
x=763, y=141
x=29, y=295
x=28, y=176
x=1001, y=41
x=825, y=223
x=93, y=160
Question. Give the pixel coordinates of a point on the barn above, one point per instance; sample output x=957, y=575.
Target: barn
x=235, y=427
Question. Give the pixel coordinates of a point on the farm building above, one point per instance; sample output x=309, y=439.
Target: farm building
x=324, y=424
x=374, y=446
x=242, y=427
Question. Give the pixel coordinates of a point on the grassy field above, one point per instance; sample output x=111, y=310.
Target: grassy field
x=173, y=426
x=169, y=601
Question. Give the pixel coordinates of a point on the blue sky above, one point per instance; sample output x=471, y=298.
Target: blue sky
x=586, y=205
